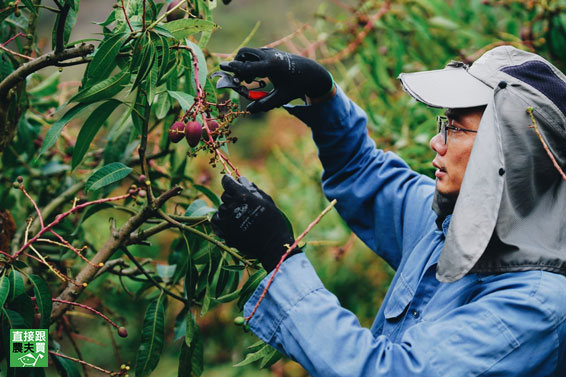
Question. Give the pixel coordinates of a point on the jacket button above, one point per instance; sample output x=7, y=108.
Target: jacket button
x=415, y=314
x=502, y=84
x=501, y=171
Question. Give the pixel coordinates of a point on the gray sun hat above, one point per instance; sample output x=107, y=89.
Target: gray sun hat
x=510, y=214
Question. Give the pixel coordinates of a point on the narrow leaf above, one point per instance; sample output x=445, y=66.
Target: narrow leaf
x=42, y=299
x=30, y=6
x=107, y=175
x=184, y=99
x=90, y=129
x=4, y=289
x=181, y=29
x=209, y=194
x=251, y=357
x=104, y=57
x=249, y=287
x=191, y=360
x=104, y=89
x=57, y=127
x=16, y=284
x=199, y=208
x=153, y=332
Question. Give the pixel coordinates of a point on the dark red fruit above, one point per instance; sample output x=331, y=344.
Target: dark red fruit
x=193, y=133
x=212, y=126
x=176, y=132
x=178, y=13
x=122, y=332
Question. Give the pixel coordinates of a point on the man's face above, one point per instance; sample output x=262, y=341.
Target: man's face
x=452, y=158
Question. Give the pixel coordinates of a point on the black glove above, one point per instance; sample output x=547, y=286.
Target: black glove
x=249, y=221
x=292, y=76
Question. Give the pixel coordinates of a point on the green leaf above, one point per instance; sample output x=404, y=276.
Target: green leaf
x=30, y=6
x=191, y=360
x=211, y=288
x=209, y=194
x=42, y=299
x=90, y=129
x=191, y=277
x=107, y=175
x=181, y=29
x=4, y=289
x=165, y=53
x=184, y=99
x=229, y=296
x=47, y=86
x=57, y=127
x=146, y=63
x=152, y=82
x=191, y=328
x=104, y=89
x=16, y=284
x=153, y=332
x=162, y=105
x=254, y=356
x=199, y=208
x=202, y=69
x=66, y=367
x=104, y=59
x=250, y=286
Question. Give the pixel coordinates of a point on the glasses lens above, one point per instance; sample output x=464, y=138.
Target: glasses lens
x=442, y=123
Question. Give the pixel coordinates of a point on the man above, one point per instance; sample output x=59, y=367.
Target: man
x=480, y=254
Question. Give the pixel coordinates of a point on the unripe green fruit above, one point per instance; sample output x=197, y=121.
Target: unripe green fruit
x=178, y=13
x=177, y=132
x=239, y=321
x=193, y=133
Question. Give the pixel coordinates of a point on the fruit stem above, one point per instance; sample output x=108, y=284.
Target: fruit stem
x=284, y=256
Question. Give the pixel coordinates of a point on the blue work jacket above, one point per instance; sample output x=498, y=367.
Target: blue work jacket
x=509, y=324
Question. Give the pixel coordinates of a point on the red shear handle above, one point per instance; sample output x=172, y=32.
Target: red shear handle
x=254, y=95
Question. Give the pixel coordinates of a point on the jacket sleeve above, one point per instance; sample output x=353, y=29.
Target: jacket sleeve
x=509, y=329
x=383, y=201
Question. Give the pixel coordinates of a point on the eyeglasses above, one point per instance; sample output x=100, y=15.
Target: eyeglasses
x=444, y=124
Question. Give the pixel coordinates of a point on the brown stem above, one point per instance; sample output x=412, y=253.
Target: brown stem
x=43, y=61
x=126, y=16
x=545, y=146
x=284, y=256
x=118, y=239
x=81, y=362
x=361, y=36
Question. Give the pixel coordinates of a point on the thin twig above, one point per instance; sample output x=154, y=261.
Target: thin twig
x=81, y=362
x=284, y=256
x=361, y=36
x=153, y=281
x=535, y=126
x=126, y=16
x=206, y=237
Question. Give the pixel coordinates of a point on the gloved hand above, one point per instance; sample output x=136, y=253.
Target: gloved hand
x=292, y=76
x=249, y=221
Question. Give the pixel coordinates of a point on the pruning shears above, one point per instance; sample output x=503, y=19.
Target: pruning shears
x=228, y=81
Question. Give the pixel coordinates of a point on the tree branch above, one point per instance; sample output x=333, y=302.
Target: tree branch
x=43, y=61
x=71, y=292
x=60, y=36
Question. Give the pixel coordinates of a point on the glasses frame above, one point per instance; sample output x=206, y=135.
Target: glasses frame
x=444, y=124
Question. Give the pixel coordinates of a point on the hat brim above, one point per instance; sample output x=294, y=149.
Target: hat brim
x=446, y=88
